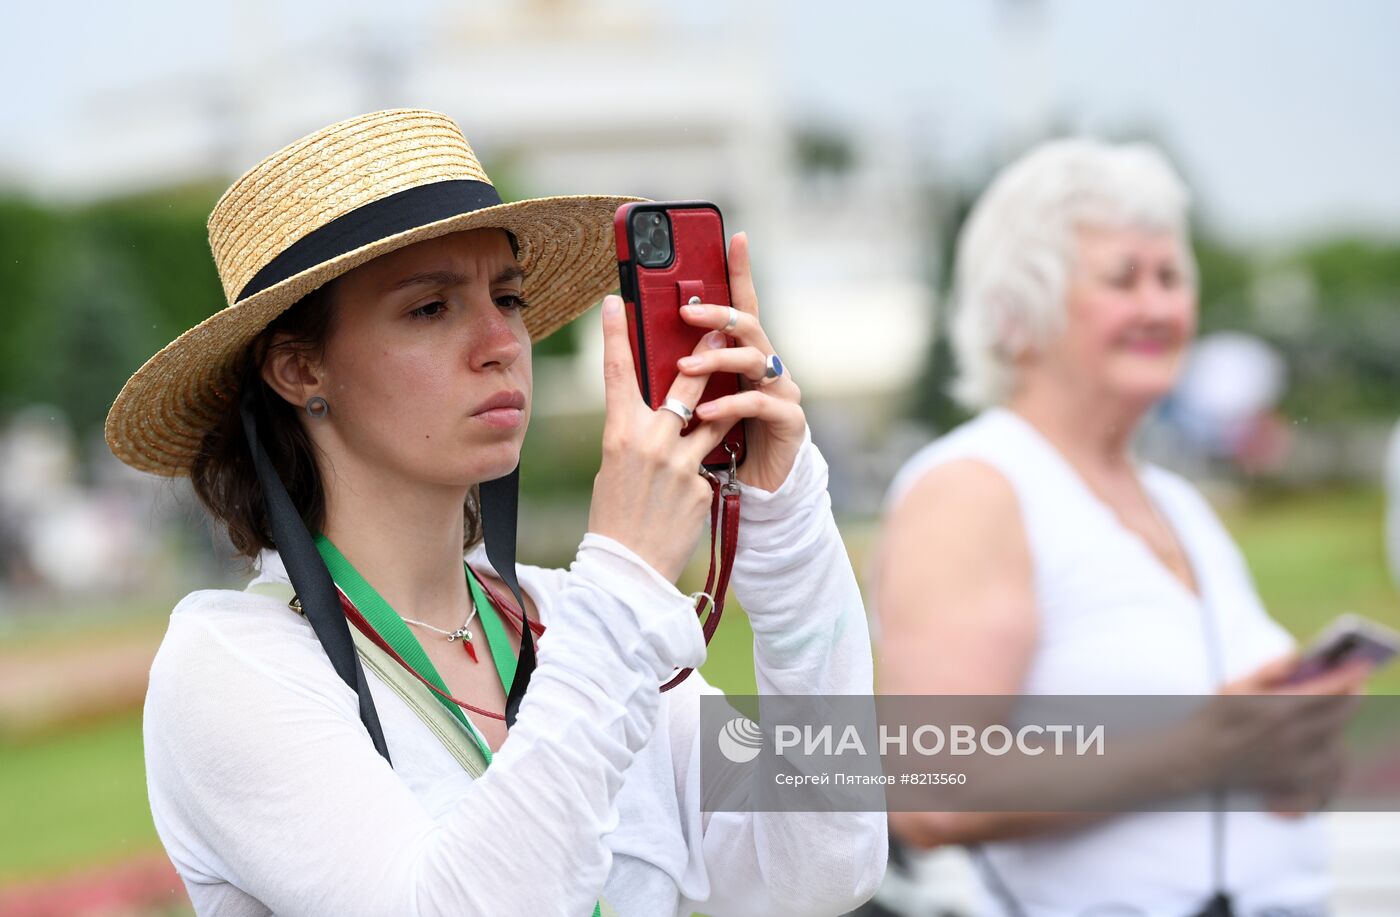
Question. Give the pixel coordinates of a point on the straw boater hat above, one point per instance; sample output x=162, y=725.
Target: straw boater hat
x=303, y=216
x=325, y=204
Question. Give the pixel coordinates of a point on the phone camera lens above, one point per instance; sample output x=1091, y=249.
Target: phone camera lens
x=653, y=236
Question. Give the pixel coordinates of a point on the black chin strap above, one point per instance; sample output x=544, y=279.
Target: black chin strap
x=312, y=581
x=499, y=509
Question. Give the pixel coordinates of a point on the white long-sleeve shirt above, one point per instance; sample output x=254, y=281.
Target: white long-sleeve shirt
x=270, y=798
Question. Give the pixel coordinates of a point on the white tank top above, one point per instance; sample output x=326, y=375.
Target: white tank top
x=1113, y=619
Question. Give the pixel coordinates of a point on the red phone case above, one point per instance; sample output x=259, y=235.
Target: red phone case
x=654, y=295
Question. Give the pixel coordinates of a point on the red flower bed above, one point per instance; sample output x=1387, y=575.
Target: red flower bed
x=122, y=888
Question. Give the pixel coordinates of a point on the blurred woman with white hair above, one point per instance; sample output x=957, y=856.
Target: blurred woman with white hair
x=1029, y=553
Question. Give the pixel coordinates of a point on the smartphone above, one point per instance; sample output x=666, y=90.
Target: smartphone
x=670, y=253
x=1350, y=637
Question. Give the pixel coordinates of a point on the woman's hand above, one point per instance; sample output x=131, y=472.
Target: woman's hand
x=1286, y=741
x=775, y=422
x=648, y=494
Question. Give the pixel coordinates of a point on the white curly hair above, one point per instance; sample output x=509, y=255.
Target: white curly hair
x=1017, y=248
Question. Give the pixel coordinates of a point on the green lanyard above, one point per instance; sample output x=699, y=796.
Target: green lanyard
x=495, y=631
x=387, y=623
x=395, y=632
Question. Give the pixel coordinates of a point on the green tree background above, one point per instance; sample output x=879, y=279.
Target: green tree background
x=91, y=291
x=1340, y=347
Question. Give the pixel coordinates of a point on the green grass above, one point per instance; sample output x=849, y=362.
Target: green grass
x=74, y=799
x=53, y=625
x=729, y=665
x=79, y=798
x=1317, y=555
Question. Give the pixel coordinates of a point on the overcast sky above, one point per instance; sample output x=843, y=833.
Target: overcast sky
x=1283, y=114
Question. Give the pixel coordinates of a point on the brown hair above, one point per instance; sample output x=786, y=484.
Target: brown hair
x=222, y=474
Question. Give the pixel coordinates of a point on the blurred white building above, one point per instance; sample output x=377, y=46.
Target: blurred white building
x=576, y=96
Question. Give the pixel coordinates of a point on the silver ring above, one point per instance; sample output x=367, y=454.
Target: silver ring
x=772, y=369
x=733, y=319
x=679, y=408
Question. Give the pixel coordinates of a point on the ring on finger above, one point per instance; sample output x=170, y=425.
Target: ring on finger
x=733, y=319
x=772, y=369
x=679, y=408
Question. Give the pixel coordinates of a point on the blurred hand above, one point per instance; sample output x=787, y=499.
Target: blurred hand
x=1287, y=744
x=774, y=421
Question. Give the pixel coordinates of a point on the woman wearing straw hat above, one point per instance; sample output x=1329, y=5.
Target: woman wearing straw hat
x=318, y=743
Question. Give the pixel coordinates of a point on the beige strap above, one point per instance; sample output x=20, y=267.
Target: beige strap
x=419, y=699
x=433, y=714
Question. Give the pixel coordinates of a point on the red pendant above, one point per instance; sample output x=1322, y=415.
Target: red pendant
x=471, y=650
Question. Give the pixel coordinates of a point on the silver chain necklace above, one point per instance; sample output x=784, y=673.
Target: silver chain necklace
x=461, y=633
